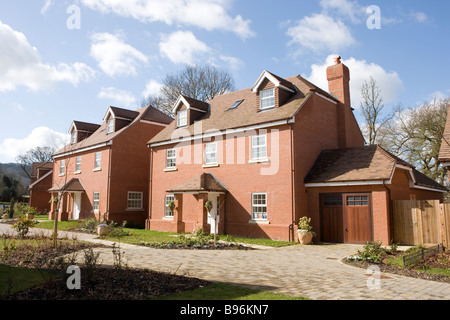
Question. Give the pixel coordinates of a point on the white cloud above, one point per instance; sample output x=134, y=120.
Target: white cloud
x=232, y=62
x=10, y=148
x=114, y=56
x=21, y=66
x=419, y=16
x=183, y=47
x=152, y=88
x=206, y=14
x=360, y=70
x=47, y=5
x=345, y=8
x=320, y=32
x=119, y=97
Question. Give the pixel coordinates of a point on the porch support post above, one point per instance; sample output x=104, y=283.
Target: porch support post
x=178, y=213
x=203, y=214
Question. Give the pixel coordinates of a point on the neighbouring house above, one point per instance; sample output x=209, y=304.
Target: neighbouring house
x=41, y=181
x=444, y=152
x=267, y=155
x=103, y=171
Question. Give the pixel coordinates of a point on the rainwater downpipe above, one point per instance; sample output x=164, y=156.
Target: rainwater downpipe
x=291, y=226
x=390, y=208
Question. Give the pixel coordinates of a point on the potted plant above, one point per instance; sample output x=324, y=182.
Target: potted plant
x=208, y=205
x=171, y=206
x=305, y=233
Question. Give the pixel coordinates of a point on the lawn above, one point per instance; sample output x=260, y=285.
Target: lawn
x=14, y=279
x=139, y=236
x=224, y=291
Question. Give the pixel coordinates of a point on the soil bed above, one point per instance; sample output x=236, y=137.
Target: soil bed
x=109, y=283
x=440, y=260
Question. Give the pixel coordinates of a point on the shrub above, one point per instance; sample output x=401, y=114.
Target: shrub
x=22, y=226
x=372, y=252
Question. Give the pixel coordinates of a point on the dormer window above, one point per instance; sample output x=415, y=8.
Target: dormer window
x=110, y=127
x=267, y=99
x=73, y=137
x=182, y=118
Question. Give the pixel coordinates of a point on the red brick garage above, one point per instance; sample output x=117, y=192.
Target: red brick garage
x=349, y=193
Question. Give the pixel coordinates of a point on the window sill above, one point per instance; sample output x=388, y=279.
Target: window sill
x=97, y=169
x=170, y=169
x=262, y=160
x=61, y=174
x=259, y=221
x=77, y=172
x=168, y=218
x=211, y=165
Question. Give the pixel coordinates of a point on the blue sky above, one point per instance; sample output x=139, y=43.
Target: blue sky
x=69, y=60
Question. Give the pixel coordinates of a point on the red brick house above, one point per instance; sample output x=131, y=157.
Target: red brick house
x=444, y=152
x=41, y=181
x=258, y=155
x=103, y=171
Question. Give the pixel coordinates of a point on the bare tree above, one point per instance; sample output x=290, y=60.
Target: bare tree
x=39, y=154
x=198, y=82
x=371, y=107
x=416, y=135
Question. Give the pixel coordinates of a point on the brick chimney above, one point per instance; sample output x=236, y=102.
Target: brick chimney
x=338, y=76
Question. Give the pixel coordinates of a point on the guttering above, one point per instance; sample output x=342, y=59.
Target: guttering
x=83, y=150
x=220, y=133
x=428, y=188
x=349, y=183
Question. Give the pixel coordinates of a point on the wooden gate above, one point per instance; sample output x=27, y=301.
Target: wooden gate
x=423, y=222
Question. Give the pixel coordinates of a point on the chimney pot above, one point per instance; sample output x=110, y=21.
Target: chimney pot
x=337, y=60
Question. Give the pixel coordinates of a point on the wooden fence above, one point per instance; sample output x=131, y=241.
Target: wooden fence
x=423, y=222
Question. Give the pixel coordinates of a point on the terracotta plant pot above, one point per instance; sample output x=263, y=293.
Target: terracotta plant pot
x=304, y=237
x=103, y=229
x=30, y=216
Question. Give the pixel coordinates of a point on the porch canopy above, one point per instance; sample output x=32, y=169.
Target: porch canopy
x=73, y=185
x=204, y=183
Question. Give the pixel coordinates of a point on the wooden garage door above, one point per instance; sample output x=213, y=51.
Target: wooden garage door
x=332, y=229
x=357, y=218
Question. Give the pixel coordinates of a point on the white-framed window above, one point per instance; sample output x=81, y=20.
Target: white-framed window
x=78, y=164
x=96, y=201
x=182, y=118
x=267, y=99
x=110, y=127
x=98, y=161
x=259, y=206
x=62, y=167
x=259, y=147
x=167, y=200
x=134, y=200
x=171, y=158
x=73, y=137
x=211, y=153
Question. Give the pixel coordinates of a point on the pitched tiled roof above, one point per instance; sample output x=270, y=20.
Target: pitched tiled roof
x=367, y=163
x=73, y=185
x=444, y=153
x=205, y=182
x=85, y=126
x=220, y=117
x=100, y=137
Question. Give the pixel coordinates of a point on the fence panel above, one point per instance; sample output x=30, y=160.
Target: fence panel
x=417, y=222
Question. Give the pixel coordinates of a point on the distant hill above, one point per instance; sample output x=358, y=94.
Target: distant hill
x=15, y=171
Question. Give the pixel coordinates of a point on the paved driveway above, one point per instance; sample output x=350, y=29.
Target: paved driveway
x=311, y=271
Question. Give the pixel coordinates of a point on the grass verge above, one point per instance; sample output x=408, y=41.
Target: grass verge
x=224, y=291
x=15, y=279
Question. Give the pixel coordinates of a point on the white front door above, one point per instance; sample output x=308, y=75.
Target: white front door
x=213, y=215
x=76, y=206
